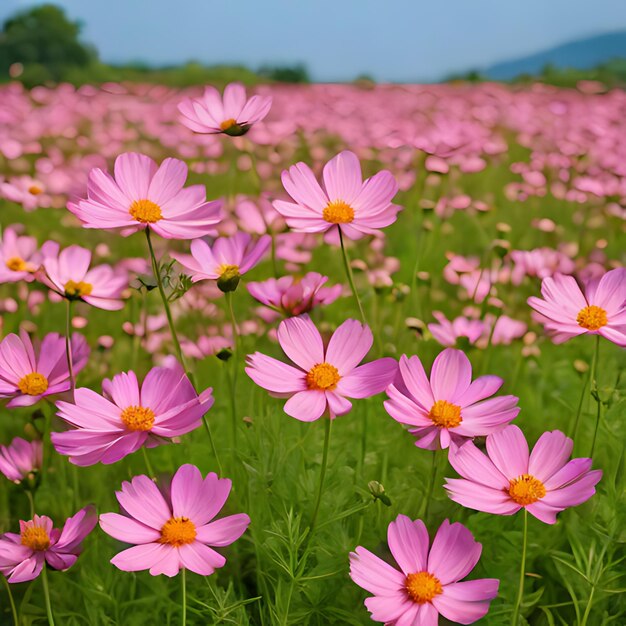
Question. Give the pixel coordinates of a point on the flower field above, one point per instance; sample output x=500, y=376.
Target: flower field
x=312, y=355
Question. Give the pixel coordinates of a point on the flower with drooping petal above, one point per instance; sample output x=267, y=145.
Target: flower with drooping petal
x=345, y=201
x=428, y=583
x=30, y=372
x=226, y=261
x=21, y=459
x=23, y=556
x=127, y=416
x=173, y=529
x=567, y=312
x=449, y=407
x=68, y=273
x=144, y=195
x=20, y=257
x=508, y=478
x=233, y=115
x=325, y=377
x=292, y=295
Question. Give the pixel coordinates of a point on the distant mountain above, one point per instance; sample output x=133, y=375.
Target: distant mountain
x=581, y=54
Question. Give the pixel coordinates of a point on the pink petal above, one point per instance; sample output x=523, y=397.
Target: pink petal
x=342, y=177
x=306, y=406
x=408, y=542
x=128, y=530
x=549, y=455
x=450, y=376
x=349, y=345
x=301, y=341
x=368, y=379
x=224, y=531
x=508, y=450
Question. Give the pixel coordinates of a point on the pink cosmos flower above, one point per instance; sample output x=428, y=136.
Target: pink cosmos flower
x=429, y=581
x=145, y=195
x=293, y=296
x=23, y=556
x=355, y=206
x=447, y=332
x=19, y=257
x=173, y=529
x=324, y=377
x=234, y=115
x=68, y=274
x=205, y=345
x=30, y=372
x=567, y=312
x=507, y=478
x=450, y=407
x=21, y=459
x=128, y=415
x=27, y=191
x=225, y=261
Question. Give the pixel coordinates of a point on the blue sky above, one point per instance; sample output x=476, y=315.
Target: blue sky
x=396, y=40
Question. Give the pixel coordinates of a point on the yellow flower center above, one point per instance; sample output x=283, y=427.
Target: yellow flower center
x=137, y=418
x=445, y=415
x=75, y=289
x=145, y=211
x=322, y=377
x=592, y=317
x=228, y=272
x=35, y=190
x=229, y=123
x=338, y=212
x=35, y=538
x=526, y=489
x=16, y=264
x=33, y=384
x=422, y=587
x=178, y=531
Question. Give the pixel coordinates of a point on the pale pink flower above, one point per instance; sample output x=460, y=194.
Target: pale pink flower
x=345, y=201
x=20, y=257
x=428, y=582
x=449, y=407
x=173, y=529
x=225, y=261
x=324, y=378
x=21, y=459
x=23, y=556
x=567, y=312
x=448, y=333
x=508, y=478
x=128, y=416
x=30, y=372
x=68, y=274
x=144, y=195
x=233, y=115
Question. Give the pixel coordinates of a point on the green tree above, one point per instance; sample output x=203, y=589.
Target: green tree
x=45, y=42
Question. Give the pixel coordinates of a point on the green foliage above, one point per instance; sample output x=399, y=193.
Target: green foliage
x=286, y=73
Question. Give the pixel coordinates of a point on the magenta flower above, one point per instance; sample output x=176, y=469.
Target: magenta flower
x=355, y=206
x=429, y=581
x=567, y=312
x=225, y=261
x=19, y=257
x=324, y=378
x=145, y=195
x=68, y=273
x=128, y=415
x=23, y=556
x=447, y=332
x=508, y=478
x=30, y=372
x=175, y=530
x=450, y=407
x=21, y=459
x=293, y=296
x=234, y=115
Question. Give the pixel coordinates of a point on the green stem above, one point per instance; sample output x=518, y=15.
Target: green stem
x=522, y=573
x=320, y=488
x=595, y=393
x=588, y=607
x=233, y=374
x=156, y=270
x=346, y=263
x=68, y=344
x=207, y=426
x=183, y=583
x=31, y=501
x=580, y=408
x=46, y=594
x=11, y=602
x=147, y=461
x=431, y=484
